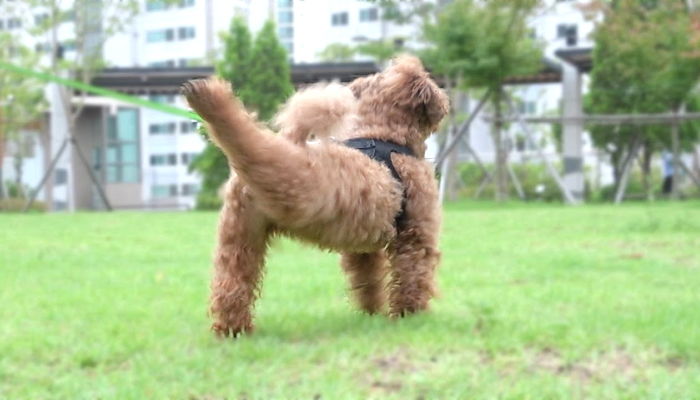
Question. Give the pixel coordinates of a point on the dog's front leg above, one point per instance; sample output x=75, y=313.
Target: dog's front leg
x=238, y=264
x=414, y=253
x=413, y=264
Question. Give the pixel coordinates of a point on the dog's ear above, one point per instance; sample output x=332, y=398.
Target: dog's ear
x=409, y=85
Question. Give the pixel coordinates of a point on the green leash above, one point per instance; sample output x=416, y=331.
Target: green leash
x=166, y=108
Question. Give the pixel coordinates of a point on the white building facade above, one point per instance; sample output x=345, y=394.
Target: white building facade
x=187, y=33
x=149, y=166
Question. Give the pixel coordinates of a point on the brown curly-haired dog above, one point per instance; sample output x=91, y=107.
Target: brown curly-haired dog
x=327, y=193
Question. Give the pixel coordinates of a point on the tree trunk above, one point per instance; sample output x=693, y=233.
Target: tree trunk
x=696, y=160
x=453, y=178
x=646, y=171
x=499, y=146
x=2, y=177
x=616, y=161
x=676, y=147
x=446, y=167
x=19, y=164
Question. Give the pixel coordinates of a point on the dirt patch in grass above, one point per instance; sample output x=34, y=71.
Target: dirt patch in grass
x=385, y=372
x=687, y=261
x=617, y=363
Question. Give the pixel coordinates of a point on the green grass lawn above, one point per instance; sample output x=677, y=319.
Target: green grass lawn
x=536, y=302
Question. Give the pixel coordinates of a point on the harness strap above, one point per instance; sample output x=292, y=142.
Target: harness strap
x=380, y=150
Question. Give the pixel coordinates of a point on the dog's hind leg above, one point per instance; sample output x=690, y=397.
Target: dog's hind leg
x=366, y=274
x=238, y=264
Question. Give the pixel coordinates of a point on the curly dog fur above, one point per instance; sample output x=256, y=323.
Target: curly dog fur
x=325, y=193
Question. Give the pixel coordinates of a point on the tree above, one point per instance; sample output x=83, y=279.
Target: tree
x=92, y=22
x=652, y=70
x=270, y=80
x=479, y=45
x=21, y=101
x=234, y=67
x=261, y=77
x=381, y=50
x=337, y=52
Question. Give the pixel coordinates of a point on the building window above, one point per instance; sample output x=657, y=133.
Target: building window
x=369, y=14
x=42, y=47
x=189, y=189
x=162, y=98
x=122, y=156
x=163, y=191
x=289, y=46
x=162, y=64
x=156, y=5
x=187, y=158
x=68, y=16
x=166, y=128
x=285, y=32
x=14, y=23
x=568, y=32
x=284, y=3
x=40, y=19
x=185, y=33
x=162, y=35
x=160, y=5
x=285, y=17
x=527, y=107
x=68, y=45
x=339, y=19
x=163, y=159
x=187, y=127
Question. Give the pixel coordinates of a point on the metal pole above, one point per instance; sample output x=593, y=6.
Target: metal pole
x=572, y=132
x=627, y=166
x=482, y=186
x=550, y=168
x=93, y=178
x=690, y=173
x=462, y=130
x=48, y=172
x=516, y=182
x=444, y=172
x=676, y=148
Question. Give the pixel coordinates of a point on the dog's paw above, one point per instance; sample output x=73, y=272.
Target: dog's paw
x=206, y=96
x=406, y=311
x=223, y=331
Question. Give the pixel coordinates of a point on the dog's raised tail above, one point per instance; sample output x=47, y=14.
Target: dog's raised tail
x=320, y=111
x=229, y=125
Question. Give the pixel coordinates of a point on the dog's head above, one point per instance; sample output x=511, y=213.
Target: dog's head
x=404, y=90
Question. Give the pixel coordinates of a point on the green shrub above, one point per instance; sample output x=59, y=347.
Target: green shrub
x=635, y=187
x=536, y=182
x=208, y=201
x=16, y=204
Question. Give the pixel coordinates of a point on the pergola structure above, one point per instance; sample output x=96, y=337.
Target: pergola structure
x=141, y=81
x=575, y=63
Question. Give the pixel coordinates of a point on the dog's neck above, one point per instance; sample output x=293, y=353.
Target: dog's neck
x=399, y=134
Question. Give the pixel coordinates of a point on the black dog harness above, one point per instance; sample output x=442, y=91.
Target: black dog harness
x=380, y=150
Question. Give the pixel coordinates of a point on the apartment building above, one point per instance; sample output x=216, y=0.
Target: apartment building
x=167, y=36
x=144, y=160
x=142, y=156
x=316, y=24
